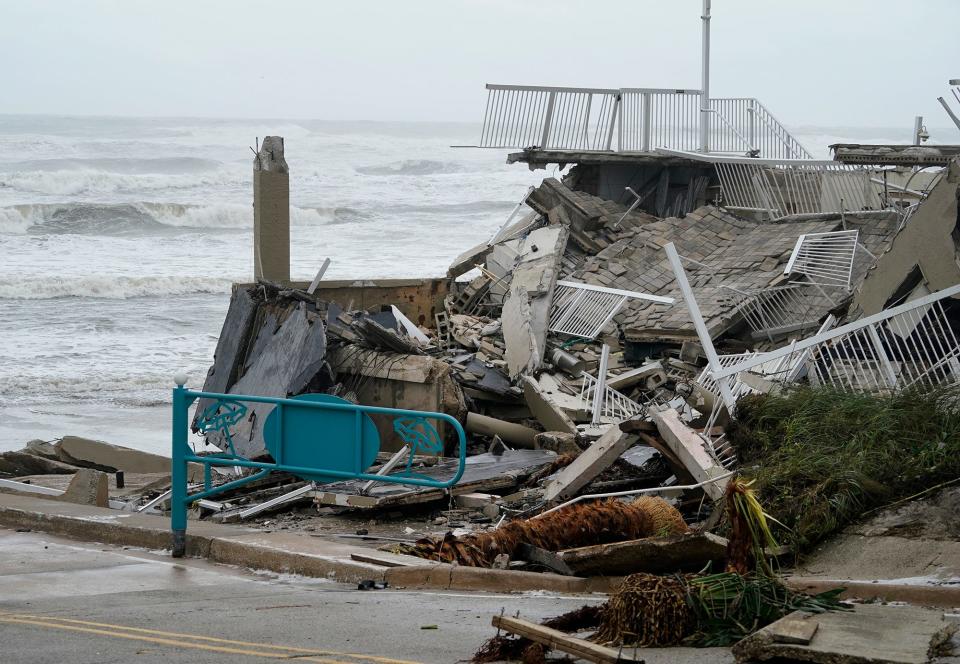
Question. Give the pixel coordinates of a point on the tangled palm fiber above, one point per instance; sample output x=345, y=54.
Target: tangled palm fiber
x=647, y=610
x=749, y=530
x=503, y=648
x=581, y=524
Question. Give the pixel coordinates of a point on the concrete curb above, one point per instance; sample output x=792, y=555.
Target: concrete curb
x=283, y=553
x=938, y=596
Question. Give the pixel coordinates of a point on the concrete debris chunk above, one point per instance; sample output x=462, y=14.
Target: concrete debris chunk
x=591, y=462
x=543, y=406
x=691, y=450
x=526, y=310
x=88, y=487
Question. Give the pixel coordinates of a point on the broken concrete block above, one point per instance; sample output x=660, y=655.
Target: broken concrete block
x=547, y=411
x=526, y=309
x=561, y=442
x=19, y=463
x=475, y=500
x=88, y=487
x=651, y=375
x=591, y=462
x=690, y=449
x=869, y=634
x=409, y=382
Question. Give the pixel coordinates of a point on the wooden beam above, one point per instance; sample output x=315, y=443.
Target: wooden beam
x=557, y=640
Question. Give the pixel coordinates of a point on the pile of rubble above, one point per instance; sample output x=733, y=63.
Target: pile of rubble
x=581, y=359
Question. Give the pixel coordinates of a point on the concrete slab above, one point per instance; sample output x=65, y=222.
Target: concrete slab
x=870, y=634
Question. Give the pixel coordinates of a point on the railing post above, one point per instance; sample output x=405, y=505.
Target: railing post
x=881, y=354
x=178, y=469
x=614, y=121
x=548, y=120
x=751, y=117
x=647, y=111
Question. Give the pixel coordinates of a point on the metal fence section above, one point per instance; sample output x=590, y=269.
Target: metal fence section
x=550, y=118
x=777, y=309
x=583, y=310
x=825, y=258
x=629, y=120
x=780, y=187
x=912, y=344
x=652, y=118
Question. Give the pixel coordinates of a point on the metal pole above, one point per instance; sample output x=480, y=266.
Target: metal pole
x=917, y=128
x=705, y=83
x=178, y=469
x=712, y=359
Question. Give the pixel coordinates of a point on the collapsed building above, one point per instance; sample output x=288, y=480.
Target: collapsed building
x=602, y=335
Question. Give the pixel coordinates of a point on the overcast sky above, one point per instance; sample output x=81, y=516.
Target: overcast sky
x=812, y=62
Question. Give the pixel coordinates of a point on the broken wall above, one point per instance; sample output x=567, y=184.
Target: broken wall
x=928, y=240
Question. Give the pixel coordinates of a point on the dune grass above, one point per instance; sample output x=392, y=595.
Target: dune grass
x=821, y=458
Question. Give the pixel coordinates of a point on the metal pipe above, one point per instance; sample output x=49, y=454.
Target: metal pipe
x=635, y=492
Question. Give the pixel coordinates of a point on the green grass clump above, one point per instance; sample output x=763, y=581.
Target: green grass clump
x=820, y=458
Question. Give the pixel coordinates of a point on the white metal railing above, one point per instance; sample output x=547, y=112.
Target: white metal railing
x=911, y=344
x=583, y=310
x=825, y=258
x=777, y=309
x=549, y=118
x=613, y=405
x=629, y=120
x=780, y=187
x=741, y=124
x=654, y=117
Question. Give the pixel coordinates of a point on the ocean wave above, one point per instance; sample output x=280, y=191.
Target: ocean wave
x=147, y=217
x=122, y=165
x=102, y=286
x=87, y=181
x=414, y=167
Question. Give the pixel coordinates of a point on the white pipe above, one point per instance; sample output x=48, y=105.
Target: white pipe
x=705, y=105
x=634, y=492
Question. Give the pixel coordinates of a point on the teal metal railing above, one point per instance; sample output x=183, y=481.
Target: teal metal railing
x=298, y=420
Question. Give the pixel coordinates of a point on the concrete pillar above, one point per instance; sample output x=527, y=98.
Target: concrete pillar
x=271, y=212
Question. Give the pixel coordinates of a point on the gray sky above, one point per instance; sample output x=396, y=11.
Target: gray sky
x=812, y=62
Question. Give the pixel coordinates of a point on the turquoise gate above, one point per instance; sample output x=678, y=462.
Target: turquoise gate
x=317, y=437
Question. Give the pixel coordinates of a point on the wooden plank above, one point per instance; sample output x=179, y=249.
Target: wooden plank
x=557, y=640
x=591, y=462
x=794, y=630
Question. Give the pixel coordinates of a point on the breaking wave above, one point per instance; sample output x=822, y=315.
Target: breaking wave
x=145, y=218
x=414, y=167
x=119, y=288
x=90, y=181
x=121, y=165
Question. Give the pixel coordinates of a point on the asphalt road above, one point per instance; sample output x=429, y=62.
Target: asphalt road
x=69, y=602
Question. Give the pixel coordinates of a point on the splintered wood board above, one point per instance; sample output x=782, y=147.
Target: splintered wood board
x=557, y=640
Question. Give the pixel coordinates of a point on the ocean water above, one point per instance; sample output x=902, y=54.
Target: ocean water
x=119, y=239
